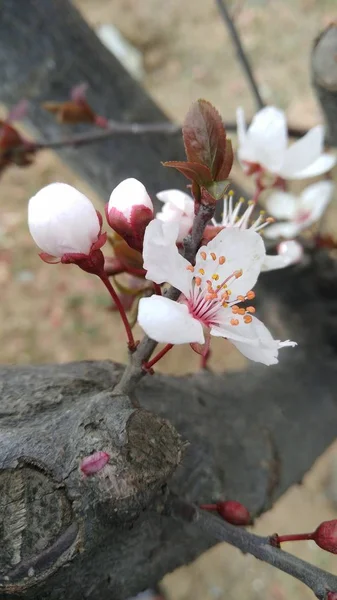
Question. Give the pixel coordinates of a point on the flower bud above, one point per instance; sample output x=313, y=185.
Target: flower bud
x=94, y=463
x=332, y=596
x=179, y=208
x=63, y=221
x=129, y=211
x=325, y=536
x=234, y=512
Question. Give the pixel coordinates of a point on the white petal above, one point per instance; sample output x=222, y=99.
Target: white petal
x=178, y=199
x=289, y=253
x=242, y=249
x=282, y=205
x=323, y=164
x=241, y=125
x=268, y=135
x=314, y=200
x=169, y=322
x=279, y=230
x=127, y=194
x=62, y=220
x=161, y=257
x=302, y=153
x=266, y=351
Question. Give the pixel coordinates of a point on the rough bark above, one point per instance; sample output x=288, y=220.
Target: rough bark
x=324, y=78
x=250, y=436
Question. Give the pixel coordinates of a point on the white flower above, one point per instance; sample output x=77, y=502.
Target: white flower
x=127, y=195
x=231, y=218
x=298, y=212
x=265, y=143
x=178, y=207
x=62, y=220
x=224, y=274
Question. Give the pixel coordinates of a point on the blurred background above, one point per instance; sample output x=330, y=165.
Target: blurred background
x=179, y=51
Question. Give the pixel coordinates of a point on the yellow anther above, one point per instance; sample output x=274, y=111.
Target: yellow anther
x=235, y=309
x=202, y=271
x=222, y=260
x=215, y=276
x=231, y=193
x=213, y=255
x=262, y=212
x=203, y=255
x=225, y=305
x=247, y=319
x=234, y=322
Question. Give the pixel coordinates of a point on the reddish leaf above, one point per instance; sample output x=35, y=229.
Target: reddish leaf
x=227, y=162
x=205, y=136
x=196, y=172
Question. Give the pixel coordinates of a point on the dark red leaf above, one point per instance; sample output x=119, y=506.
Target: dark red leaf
x=227, y=162
x=205, y=136
x=196, y=172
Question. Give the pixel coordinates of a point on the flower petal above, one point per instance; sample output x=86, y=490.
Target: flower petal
x=267, y=135
x=282, y=205
x=161, y=257
x=169, y=322
x=241, y=125
x=314, y=200
x=289, y=253
x=303, y=153
x=243, y=250
x=285, y=230
x=128, y=194
x=323, y=164
x=177, y=198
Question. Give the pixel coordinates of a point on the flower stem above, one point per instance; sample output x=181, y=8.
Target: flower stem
x=157, y=289
x=294, y=537
x=157, y=357
x=119, y=305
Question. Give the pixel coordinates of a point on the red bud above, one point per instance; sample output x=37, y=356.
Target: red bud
x=325, y=536
x=332, y=596
x=234, y=512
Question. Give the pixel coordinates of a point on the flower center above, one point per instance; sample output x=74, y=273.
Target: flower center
x=209, y=296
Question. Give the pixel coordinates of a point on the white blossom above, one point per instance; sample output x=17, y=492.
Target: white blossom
x=62, y=220
x=178, y=207
x=265, y=143
x=298, y=212
x=127, y=195
x=225, y=272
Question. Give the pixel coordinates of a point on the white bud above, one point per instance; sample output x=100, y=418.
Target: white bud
x=62, y=220
x=128, y=194
x=178, y=208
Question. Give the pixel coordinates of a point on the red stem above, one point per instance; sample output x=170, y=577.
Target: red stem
x=294, y=537
x=119, y=305
x=157, y=357
x=157, y=289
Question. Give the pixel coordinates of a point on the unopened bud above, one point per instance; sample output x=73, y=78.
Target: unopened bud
x=234, y=512
x=332, y=596
x=325, y=536
x=94, y=463
x=129, y=212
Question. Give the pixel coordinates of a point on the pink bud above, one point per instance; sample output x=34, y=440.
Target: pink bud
x=332, y=596
x=129, y=211
x=233, y=512
x=325, y=536
x=94, y=463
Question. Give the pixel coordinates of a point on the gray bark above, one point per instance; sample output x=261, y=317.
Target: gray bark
x=324, y=78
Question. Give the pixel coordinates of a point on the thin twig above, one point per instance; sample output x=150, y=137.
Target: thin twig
x=242, y=56
x=318, y=580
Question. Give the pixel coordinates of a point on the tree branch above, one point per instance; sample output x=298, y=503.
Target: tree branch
x=318, y=580
x=241, y=54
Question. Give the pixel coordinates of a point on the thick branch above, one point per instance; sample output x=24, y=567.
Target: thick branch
x=319, y=581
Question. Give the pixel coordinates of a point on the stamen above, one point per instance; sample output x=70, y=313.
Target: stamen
x=197, y=280
x=222, y=260
x=247, y=319
x=214, y=276
x=190, y=268
x=242, y=298
x=250, y=296
x=203, y=255
x=241, y=311
x=250, y=309
x=213, y=255
x=234, y=322
x=202, y=271
x=238, y=274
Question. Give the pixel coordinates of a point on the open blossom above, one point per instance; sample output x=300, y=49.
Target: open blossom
x=129, y=211
x=212, y=291
x=178, y=207
x=265, y=145
x=298, y=213
x=63, y=222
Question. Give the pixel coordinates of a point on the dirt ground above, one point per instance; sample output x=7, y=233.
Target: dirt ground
x=58, y=314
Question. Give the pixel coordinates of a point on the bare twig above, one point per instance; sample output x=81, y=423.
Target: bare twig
x=242, y=56
x=135, y=371
x=319, y=581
